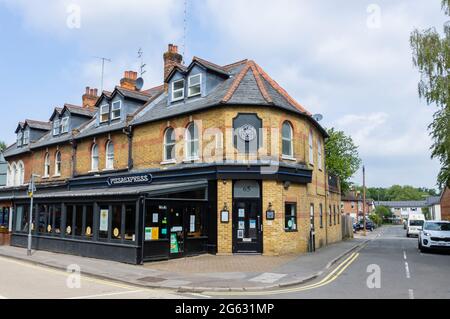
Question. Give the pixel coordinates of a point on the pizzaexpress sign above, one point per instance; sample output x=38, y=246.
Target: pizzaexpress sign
x=130, y=180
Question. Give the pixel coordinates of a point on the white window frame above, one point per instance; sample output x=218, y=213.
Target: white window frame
x=94, y=158
x=179, y=90
x=166, y=158
x=15, y=175
x=47, y=165
x=189, y=139
x=118, y=109
x=58, y=163
x=290, y=140
x=64, y=125
x=109, y=163
x=20, y=138
x=319, y=154
x=192, y=85
x=26, y=137
x=102, y=107
x=56, y=127
x=21, y=173
x=311, y=148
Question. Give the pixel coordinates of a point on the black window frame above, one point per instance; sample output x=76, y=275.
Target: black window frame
x=295, y=217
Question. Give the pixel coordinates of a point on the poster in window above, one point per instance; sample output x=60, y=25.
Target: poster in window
x=240, y=234
x=225, y=216
x=241, y=212
x=241, y=225
x=104, y=220
x=192, y=224
x=173, y=244
x=155, y=218
x=252, y=223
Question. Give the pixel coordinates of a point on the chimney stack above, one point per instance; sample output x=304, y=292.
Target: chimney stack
x=129, y=80
x=89, y=98
x=171, y=58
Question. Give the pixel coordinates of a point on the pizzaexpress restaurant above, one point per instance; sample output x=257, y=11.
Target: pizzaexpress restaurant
x=161, y=214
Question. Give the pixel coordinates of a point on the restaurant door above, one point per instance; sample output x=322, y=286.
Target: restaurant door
x=247, y=217
x=175, y=229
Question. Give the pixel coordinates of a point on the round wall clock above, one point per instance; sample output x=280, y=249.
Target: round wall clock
x=247, y=132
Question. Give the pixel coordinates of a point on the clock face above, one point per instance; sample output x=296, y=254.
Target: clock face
x=247, y=132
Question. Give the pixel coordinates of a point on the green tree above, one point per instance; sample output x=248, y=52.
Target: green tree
x=342, y=158
x=383, y=212
x=431, y=55
x=2, y=146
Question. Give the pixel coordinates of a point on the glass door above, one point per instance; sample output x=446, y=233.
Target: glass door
x=247, y=228
x=176, y=231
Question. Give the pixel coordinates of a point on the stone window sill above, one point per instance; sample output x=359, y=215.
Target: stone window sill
x=288, y=158
x=167, y=162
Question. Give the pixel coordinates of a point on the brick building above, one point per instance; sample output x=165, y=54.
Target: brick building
x=445, y=204
x=352, y=205
x=217, y=159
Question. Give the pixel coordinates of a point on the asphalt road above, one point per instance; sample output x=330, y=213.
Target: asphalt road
x=21, y=280
x=405, y=273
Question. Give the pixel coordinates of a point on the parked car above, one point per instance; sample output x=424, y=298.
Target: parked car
x=435, y=235
x=415, y=224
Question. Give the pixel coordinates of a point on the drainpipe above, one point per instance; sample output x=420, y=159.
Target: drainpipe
x=326, y=193
x=128, y=131
x=74, y=144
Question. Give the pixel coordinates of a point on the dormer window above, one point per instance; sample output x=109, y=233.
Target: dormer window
x=19, y=138
x=178, y=90
x=104, y=113
x=116, y=109
x=56, y=127
x=26, y=137
x=195, y=82
x=65, y=125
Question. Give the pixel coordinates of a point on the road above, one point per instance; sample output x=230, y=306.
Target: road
x=27, y=281
x=405, y=273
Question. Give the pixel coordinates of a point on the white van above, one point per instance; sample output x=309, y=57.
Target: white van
x=415, y=224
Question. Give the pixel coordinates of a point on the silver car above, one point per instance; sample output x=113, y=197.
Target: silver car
x=434, y=235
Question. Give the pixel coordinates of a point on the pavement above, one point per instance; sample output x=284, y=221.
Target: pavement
x=205, y=273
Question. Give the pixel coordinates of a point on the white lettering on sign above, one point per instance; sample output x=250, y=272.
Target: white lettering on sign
x=130, y=180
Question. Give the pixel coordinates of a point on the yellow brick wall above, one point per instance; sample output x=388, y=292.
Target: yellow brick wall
x=224, y=230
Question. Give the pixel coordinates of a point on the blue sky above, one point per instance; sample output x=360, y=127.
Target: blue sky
x=350, y=62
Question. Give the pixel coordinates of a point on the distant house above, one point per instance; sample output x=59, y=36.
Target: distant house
x=445, y=204
x=402, y=209
x=434, y=206
x=3, y=167
x=352, y=204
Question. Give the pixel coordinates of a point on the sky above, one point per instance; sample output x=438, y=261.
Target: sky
x=349, y=61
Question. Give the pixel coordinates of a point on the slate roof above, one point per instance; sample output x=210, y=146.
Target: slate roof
x=79, y=110
x=38, y=125
x=402, y=204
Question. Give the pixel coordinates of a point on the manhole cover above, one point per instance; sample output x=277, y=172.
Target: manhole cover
x=151, y=279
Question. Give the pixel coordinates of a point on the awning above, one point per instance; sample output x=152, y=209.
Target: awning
x=151, y=190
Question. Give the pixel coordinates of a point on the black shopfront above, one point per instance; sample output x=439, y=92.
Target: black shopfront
x=145, y=216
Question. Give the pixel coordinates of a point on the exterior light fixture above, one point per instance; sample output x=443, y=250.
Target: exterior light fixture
x=270, y=213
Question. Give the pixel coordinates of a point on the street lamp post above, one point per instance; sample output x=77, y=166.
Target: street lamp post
x=364, y=199
x=31, y=190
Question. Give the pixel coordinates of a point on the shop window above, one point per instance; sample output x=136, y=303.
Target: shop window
x=116, y=220
x=43, y=219
x=290, y=219
x=321, y=215
x=4, y=216
x=156, y=223
x=130, y=222
x=89, y=229
x=57, y=218
x=104, y=222
x=78, y=226
x=195, y=228
x=69, y=220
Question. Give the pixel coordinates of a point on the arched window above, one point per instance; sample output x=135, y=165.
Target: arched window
x=94, y=158
x=58, y=163
x=20, y=173
x=311, y=152
x=110, y=155
x=319, y=153
x=47, y=165
x=15, y=175
x=286, y=137
x=192, y=142
x=169, y=144
x=9, y=176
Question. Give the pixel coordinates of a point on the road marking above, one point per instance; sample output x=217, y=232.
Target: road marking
x=327, y=280
x=66, y=274
x=404, y=255
x=107, y=295
x=411, y=294
x=408, y=275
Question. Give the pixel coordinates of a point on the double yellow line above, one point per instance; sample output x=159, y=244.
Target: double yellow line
x=325, y=281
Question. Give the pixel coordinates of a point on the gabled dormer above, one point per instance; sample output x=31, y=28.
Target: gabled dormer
x=68, y=118
x=194, y=81
x=126, y=99
x=30, y=131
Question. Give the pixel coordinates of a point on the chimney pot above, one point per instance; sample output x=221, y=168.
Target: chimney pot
x=129, y=80
x=90, y=98
x=171, y=59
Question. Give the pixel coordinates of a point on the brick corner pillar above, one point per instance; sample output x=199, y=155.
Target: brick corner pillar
x=224, y=230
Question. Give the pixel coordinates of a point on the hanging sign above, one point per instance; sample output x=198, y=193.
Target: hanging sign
x=130, y=180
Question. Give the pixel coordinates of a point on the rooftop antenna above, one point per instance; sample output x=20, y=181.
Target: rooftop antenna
x=103, y=69
x=185, y=28
x=142, y=64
